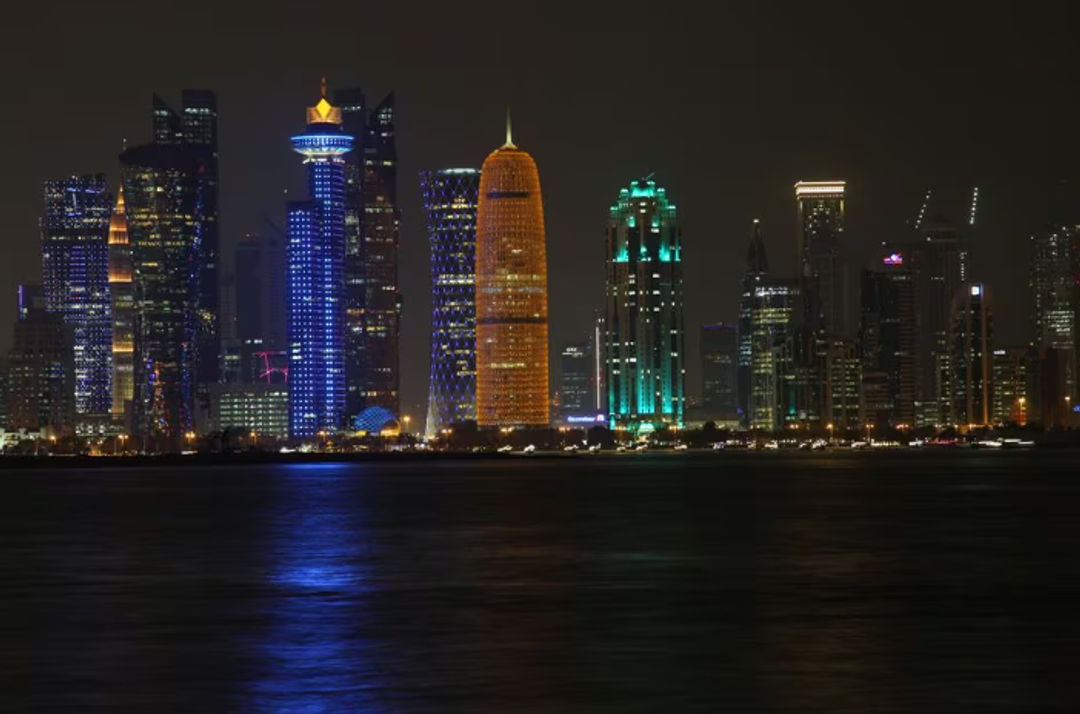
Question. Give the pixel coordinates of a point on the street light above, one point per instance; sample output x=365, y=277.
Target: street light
x=406, y=419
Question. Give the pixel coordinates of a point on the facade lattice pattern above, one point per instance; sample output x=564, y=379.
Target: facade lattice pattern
x=512, y=387
x=450, y=200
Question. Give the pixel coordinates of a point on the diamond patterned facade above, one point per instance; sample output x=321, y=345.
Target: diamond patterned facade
x=450, y=198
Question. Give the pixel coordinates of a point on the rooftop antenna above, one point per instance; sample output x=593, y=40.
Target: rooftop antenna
x=509, y=133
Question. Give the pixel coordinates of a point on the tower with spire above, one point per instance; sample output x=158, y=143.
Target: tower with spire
x=122, y=296
x=512, y=387
x=315, y=291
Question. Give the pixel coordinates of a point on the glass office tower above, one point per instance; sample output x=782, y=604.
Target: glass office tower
x=75, y=270
x=450, y=201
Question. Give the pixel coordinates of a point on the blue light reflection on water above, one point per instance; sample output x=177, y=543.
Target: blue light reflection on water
x=314, y=655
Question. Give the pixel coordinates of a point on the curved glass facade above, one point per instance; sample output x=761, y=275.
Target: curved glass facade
x=511, y=294
x=450, y=198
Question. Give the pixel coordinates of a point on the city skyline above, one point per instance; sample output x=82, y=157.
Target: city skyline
x=752, y=162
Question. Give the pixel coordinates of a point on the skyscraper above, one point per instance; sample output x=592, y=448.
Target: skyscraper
x=354, y=120
x=757, y=268
x=576, y=378
x=934, y=260
x=315, y=288
x=75, y=267
x=644, y=348
x=194, y=132
x=1010, y=382
x=122, y=295
x=773, y=313
x=842, y=382
x=450, y=201
x=1054, y=281
x=41, y=370
x=887, y=335
x=599, y=388
x=372, y=216
x=822, y=222
x=163, y=194
x=972, y=357
x=512, y=387
x=719, y=361
x=259, y=269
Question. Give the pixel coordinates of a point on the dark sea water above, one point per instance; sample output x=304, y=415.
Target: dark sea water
x=921, y=582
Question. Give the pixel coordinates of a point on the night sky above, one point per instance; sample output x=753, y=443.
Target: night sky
x=729, y=108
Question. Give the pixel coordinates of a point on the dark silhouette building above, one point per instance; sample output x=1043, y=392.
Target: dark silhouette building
x=372, y=217
x=971, y=359
x=259, y=287
x=40, y=369
x=576, y=381
x=719, y=347
x=887, y=337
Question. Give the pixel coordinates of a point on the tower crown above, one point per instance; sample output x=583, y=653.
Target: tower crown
x=323, y=112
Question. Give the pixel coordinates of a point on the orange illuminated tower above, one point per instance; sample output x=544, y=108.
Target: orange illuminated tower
x=123, y=311
x=511, y=292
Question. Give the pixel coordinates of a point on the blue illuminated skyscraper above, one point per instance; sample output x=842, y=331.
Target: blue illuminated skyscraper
x=75, y=267
x=316, y=279
x=450, y=199
x=643, y=350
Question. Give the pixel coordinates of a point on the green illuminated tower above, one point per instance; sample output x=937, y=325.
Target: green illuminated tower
x=643, y=337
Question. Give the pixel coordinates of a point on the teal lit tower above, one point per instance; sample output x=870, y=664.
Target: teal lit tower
x=315, y=291
x=643, y=336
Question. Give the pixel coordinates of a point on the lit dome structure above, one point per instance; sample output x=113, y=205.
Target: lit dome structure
x=375, y=420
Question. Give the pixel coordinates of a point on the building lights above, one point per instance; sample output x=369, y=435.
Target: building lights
x=316, y=256
x=644, y=299
x=450, y=200
x=511, y=293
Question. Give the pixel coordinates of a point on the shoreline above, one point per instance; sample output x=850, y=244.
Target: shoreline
x=29, y=462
